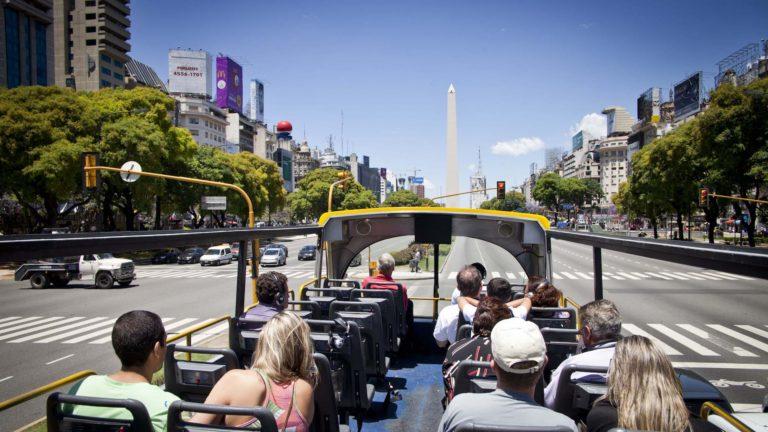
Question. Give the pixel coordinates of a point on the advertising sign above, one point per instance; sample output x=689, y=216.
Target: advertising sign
x=417, y=180
x=383, y=173
x=649, y=105
x=257, y=101
x=578, y=141
x=189, y=72
x=688, y=95
x=229, y=84
x=214, y=203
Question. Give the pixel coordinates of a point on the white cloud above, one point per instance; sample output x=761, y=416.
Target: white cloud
x=517, y=146
x=428, y=185
x=593, y=124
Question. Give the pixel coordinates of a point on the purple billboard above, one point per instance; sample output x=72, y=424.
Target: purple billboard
x=229, y=84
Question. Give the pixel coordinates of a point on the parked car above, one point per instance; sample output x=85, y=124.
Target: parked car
x=356, y=261
x=191, y=255
x=283, y=247
x=166, y=256
x=308, y=252
x=273, y=257
x=216, y=255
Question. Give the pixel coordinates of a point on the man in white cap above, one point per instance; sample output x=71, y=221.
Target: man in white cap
x=519, y=356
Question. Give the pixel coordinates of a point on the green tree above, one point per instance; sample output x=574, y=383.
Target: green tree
x=310, y=199
x=406, y=198
x=513, y=201
x=548, y=192
x=643, y=196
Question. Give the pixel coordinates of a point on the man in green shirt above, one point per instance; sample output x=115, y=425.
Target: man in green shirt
x=138, y=338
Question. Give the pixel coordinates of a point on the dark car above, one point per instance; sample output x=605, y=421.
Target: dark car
x=191, y=255
x=308, y=252
x=166, y=256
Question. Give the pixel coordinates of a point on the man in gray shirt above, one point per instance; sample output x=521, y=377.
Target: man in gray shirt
x=519, y=356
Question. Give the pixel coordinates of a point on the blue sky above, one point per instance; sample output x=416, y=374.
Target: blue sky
x=526, y=72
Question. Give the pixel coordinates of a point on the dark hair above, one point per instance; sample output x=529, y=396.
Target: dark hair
x=534, y=282
x=269, y=286
x=469, y=281
x=546, y=296
x=134, y=336
x=499, y=288
x=489, y=312
x=480, y=268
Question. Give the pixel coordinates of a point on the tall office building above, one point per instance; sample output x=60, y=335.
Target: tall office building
x=26, y=43
x=256, y=101
x=90, y=43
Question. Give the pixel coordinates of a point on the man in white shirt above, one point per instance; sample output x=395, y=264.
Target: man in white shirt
x=501, y=289
x=469, y=283
x=600, y=329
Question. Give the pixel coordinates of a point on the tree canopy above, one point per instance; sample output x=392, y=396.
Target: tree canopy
x=406, y=198
x=513, y=201
x=310, y=199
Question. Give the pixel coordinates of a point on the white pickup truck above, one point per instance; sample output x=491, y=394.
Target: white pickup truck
x=104, y=269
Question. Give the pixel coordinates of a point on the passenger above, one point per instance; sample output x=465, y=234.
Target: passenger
x=282, y=378
x=483, y=272
x=544, y=295
x=469, y=283
x=501, y=289
x=273, y=295
x=476, y=347
x=138, y=338
x=386, y=266
x=643, y=393
x=519, y=357
x=600, y=330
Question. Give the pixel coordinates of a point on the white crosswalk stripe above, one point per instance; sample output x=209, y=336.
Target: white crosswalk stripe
x=714, y=339
x=523, y=275
x=658, y=276
x=37, y=328
x=731, y=275
x=28, y=324
x=99, y=333
x=568, y=275
x=511, y=276
x=556, y=276
x=452, y=275
x=175, y=325
x=18, y=321
x=740, y=336
x=628, y=276
x=78, y=331
x=709, y=277
x=583, y=275
x=676, y=276
x=694, y=276
x=754, y=330
x=8, y=319
x=56, y=330
x=723, y=276
x=495, y=274
x=606, y=275
x=683, y=340
x=668, y=350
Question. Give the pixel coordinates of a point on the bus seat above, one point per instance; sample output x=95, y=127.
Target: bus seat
x=466, y=380
x=473, y=427
x=326, y=414
x=368, y=318
x=545, y=317
x=305, y=309
x=518, y=295
x=573, y=402
x=341, y=283
x=339, y=293
x=561, y=343
x=243, y=334
x=193, y=380
x=464, y=332
x=389, y=315
x=399, y=292
x=177, y=424
x=61, y=419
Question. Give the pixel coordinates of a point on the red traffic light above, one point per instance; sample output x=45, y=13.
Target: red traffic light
x=501, y=189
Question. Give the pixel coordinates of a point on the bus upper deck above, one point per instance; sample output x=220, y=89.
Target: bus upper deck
x=363, y=368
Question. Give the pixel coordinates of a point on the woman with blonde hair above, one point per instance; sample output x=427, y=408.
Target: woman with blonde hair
x=643, y=393
x=281, y=378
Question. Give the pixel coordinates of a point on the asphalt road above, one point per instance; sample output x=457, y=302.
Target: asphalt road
x=711, y=322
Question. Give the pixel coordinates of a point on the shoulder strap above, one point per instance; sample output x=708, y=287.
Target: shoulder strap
x=267, y=386
x=290, y=407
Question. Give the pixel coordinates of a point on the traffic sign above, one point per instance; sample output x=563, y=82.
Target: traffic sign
x=130, y=166
x=214, y=203
x=417, y=180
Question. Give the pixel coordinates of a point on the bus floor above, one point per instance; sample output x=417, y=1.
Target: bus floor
x=416, y=373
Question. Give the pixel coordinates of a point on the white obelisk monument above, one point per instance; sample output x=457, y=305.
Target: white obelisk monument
x=451, y=152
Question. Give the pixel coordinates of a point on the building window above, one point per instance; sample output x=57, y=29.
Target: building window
x=90, y=16
x=90, y=42
x=193, y=108
x=194, y=132
x=12, y=48
x=118, y=76
x=106, y=59
x=117, y=63
x=90, y=3
x=28, y=53
x=194, y=121
x=105, y=83
x=106, y=71
x=90, y=29
x=41, y=54
x=206, y=135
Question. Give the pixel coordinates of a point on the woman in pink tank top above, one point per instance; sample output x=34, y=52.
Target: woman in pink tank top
x=281, y=378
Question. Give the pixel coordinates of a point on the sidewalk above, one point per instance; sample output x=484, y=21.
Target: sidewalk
x=6, y=274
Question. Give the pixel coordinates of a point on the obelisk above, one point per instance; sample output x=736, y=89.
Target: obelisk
x=451, y=152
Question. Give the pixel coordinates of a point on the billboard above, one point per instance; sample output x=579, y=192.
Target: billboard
x=257, y=101
x=383, y=173
x=649, y=106
x=189, y=72
x=229, y=84
x=417, y=180
x=578, y=141
x=688, y=94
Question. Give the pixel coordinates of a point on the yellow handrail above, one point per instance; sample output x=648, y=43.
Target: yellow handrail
x=189, y=331
x=12, y=402
x=430, y=298
x=309, y=282
x=711, y=407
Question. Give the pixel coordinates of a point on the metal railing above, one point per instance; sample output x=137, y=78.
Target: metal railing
x=12, y=402
x=712, y=408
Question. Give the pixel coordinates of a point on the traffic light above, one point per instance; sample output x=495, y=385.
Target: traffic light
x=703, y=197
x=501, y=190
x=90, y=176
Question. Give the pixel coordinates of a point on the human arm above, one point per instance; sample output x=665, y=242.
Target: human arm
x=237, y=387
x=464, y=301
x=220, y=395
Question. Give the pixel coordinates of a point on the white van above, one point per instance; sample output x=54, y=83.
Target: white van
x=216, y=255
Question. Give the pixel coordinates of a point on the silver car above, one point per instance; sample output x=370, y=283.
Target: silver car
x=273, y=257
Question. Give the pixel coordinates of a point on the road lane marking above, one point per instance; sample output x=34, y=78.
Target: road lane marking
x=556, y=276
x=29, y=324
x=722, y=343
x=523, y=275
x=495, y=274
x=704, y=275
x=641, y=275
x=6, y=378
x=209, y=332
x=511, y=276
x=584, y=275
x=716, y=365
x=718, y=275
x=59, y=359
x=670, y=274
x=693, y=275
x=628, y=276
x=668, y=350
x=78, y=331
x=740, y=337
x=101, y=332
x=568, y=275
x=19, y=321
x=684, y=340
x=607, y=275
x=36, y=328
x=754, y=330
x=658, y=276
x=57, y=330
x=732, y=275
x=8, y=319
